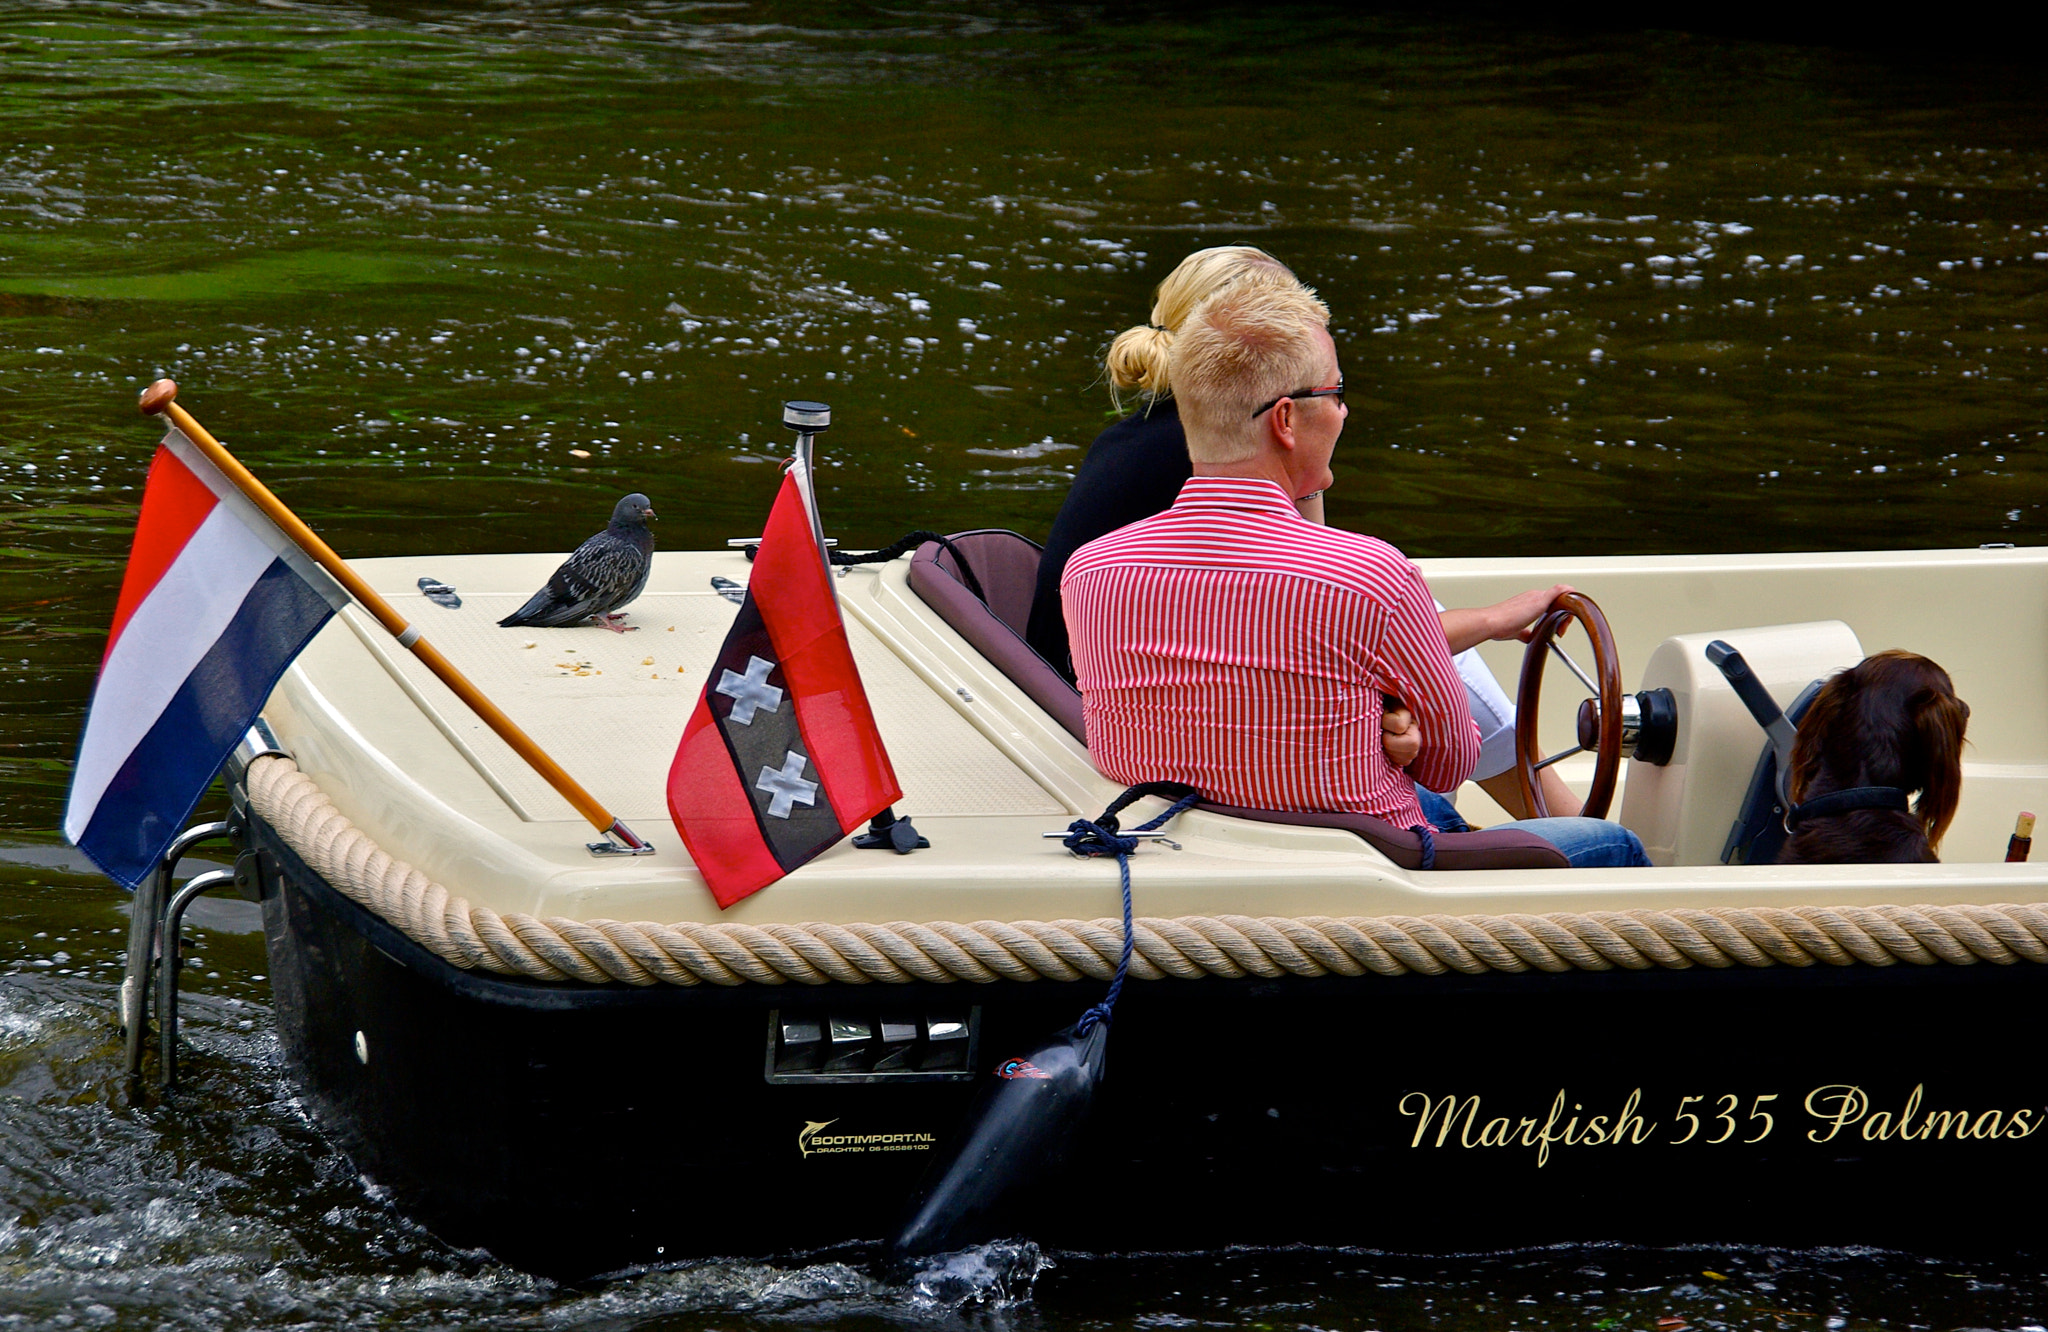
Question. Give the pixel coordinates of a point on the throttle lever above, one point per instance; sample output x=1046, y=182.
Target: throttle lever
x=1761, y=705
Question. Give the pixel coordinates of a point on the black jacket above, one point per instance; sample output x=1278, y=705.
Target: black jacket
x=1133, y=470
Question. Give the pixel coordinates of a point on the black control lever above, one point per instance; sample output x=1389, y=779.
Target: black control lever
x=1761, y=706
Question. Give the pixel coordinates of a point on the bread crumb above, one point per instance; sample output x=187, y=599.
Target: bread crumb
x=529, y=643
x=646, y=661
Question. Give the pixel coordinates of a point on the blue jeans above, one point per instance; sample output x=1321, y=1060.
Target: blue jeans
x=1586, y=843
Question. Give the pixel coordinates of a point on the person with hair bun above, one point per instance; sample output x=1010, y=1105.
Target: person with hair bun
x=1136, y=468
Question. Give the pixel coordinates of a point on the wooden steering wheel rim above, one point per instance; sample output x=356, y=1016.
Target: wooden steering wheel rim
x=1570, y=606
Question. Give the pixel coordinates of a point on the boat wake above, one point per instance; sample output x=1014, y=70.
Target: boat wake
x=222, y=1200
x=972, y=1283
x=992, y=1276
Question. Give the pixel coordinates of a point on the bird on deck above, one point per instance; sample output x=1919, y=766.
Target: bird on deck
x=603, y=574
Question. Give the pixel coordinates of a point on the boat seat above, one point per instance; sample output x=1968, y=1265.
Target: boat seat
x=1504, y=848
x=1006, y=565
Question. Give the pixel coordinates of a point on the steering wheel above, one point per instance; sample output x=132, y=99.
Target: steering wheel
x=1570, y=606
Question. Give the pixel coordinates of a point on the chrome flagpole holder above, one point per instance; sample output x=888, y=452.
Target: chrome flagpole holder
x=621, y=841
x=809, y=420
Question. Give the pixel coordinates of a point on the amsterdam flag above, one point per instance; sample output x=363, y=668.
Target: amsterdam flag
x=781, y=758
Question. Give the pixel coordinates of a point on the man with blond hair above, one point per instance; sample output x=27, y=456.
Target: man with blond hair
x=1231, y=644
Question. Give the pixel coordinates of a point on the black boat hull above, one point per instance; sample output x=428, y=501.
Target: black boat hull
x=576, y=1129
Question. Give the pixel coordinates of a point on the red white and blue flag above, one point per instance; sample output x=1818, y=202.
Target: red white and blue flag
x=215, y=604
x=781, y=758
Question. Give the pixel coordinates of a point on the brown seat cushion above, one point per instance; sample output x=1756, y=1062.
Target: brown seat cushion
x=1505, y=849
x=1007, y=566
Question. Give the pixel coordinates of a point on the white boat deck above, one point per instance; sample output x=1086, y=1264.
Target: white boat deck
x=985, y=773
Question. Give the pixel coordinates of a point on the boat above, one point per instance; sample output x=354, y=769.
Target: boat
x=579, y=1062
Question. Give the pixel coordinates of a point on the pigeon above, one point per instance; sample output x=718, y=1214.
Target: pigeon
x=603, y=574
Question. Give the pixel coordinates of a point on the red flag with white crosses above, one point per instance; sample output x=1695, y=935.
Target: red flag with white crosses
x=781, y=758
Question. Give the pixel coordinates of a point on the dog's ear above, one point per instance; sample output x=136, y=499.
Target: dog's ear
x=1939, y=721
x=1809, y=745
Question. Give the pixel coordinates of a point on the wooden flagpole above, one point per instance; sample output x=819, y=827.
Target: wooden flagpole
x=160, y=398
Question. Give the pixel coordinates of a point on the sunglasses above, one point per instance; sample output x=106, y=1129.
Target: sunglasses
x=1335, y=390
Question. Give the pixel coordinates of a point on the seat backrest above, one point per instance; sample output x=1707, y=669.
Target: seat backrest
x=1006, y=565
x=1507, y=848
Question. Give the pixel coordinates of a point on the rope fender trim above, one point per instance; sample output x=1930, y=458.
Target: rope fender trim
x=1181, y=948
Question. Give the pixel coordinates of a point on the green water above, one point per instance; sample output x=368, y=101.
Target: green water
x=453, y=278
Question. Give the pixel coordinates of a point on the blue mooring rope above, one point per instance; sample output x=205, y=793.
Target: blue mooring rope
x=1428, y=846
x=1103, y=837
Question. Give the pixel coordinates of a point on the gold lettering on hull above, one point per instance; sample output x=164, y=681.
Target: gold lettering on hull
x=811, y=1140
x=1558, y=1126
x=1838, y=1106
x=1709, y=1119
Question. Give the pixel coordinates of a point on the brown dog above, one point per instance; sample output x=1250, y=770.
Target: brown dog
x=1891, y=721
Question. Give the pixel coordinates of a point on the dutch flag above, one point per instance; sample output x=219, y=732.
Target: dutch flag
x=215, y=604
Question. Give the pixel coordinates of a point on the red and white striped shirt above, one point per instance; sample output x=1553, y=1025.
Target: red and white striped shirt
x=1232, y=644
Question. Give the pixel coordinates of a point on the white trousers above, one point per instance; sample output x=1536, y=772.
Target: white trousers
x=1492, y=711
